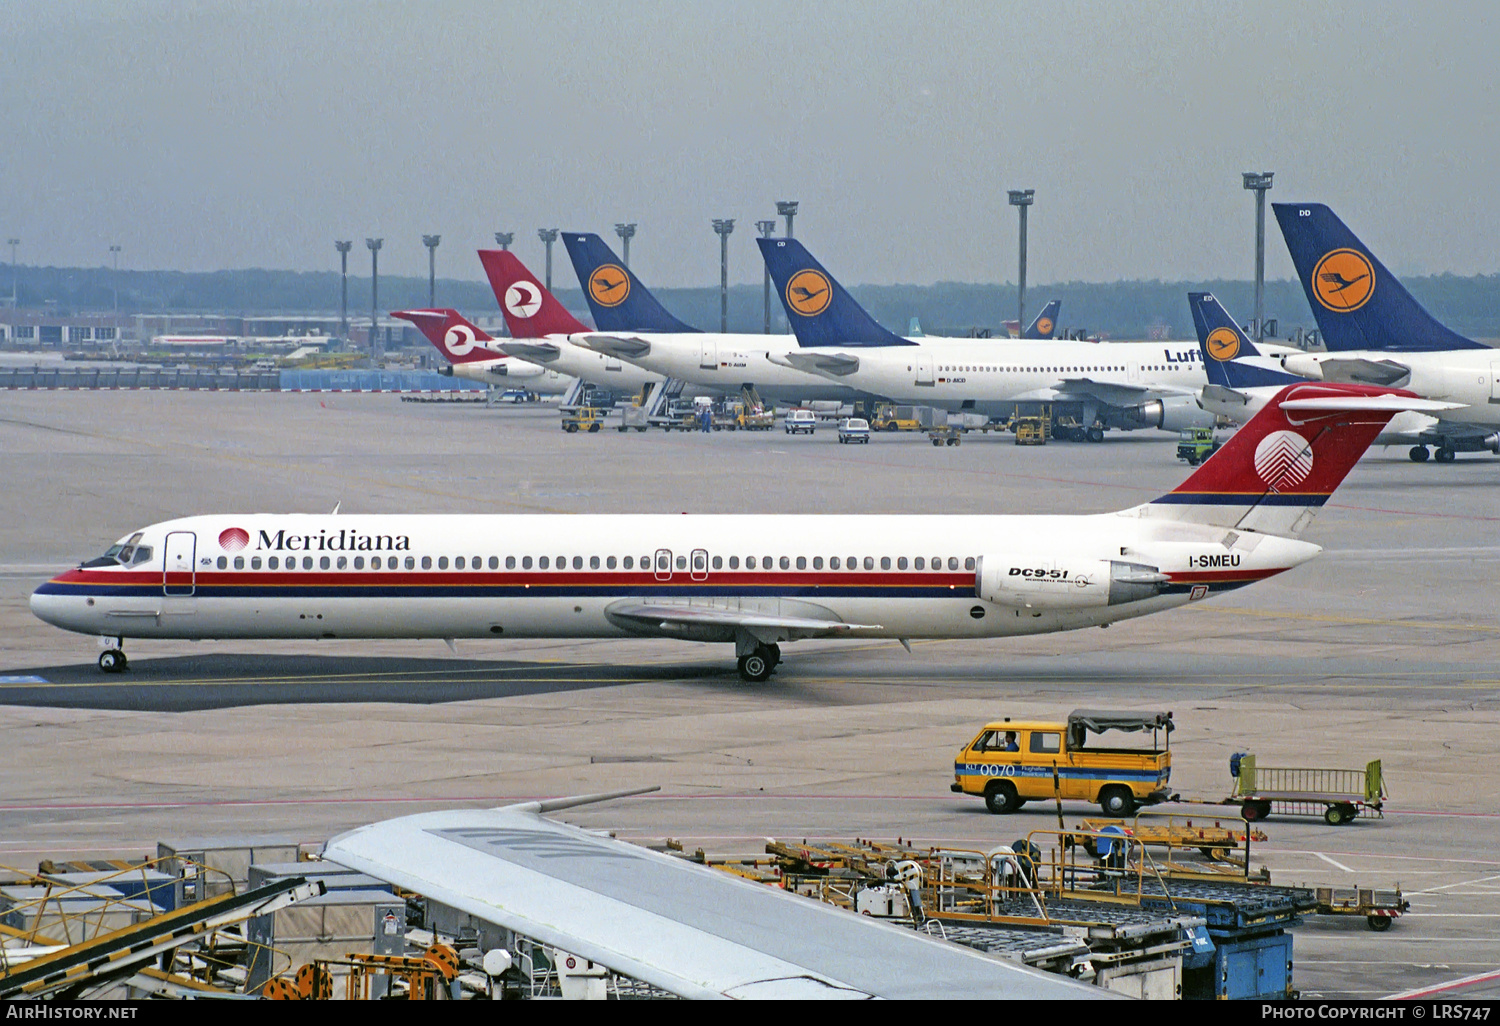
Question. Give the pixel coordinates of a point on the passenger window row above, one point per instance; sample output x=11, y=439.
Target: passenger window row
x=594, y=563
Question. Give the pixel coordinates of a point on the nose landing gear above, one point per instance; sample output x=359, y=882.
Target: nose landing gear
x=112, y=660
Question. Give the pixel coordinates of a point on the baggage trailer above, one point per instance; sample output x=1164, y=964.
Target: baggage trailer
x=1380, y=908
x=1339, y=795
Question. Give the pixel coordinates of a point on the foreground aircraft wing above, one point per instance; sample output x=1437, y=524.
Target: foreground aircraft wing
x=1111, y=394
x=673, y=620
x=691, y=930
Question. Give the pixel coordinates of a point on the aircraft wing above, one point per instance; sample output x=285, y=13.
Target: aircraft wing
x=1225, y=396
x=1364, y=372
x=691, y=930
x=717, y=623
x=1111, y=394
x=622, y=346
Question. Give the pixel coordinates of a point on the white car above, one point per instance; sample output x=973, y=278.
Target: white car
x=854, y=429
x=800, y=420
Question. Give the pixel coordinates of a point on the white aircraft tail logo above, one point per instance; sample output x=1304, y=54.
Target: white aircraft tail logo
x=1283, y=459
x=523, y=299
x=459, y=340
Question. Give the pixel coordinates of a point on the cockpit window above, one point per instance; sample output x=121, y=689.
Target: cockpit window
x=142, y=555
x=118, y=554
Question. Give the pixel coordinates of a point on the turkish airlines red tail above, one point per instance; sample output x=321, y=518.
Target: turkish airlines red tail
x=1285, y=463
x=452, y=335
x=530, y=310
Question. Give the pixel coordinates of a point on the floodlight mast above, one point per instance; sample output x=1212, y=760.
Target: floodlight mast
x=767, y=229
x=1259, y=182
x=344, y=247
x=431, y=242
x=1021, y=199
x=114, y=252
x=722, y=227
x=13, y=243
x=374, y=246
x=626, y=232
x=548, y=236
x=504, y=239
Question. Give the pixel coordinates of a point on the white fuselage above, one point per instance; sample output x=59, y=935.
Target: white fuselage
x=1467, y=376
x=558, y=354
x=507, y=370
x=483, y=576
x=726, y=363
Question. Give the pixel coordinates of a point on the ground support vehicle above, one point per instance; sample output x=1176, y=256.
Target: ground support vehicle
x=584, y=418
x=632, y=416
x=890, y=417
x=800, y=422
x=854, y=429
x=1380, y=908
x=680, y=415
x=1227, y=845
x=1012, y=762
x=1339, y=795
x=1196, y=445
x=951, y=434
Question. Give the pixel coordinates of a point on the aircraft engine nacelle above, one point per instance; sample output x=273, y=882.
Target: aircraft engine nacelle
x=1173, y=413
x=1064, y=582
x=1304, y=365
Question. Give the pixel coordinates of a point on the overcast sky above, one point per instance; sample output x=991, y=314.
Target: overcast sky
x=201, y=136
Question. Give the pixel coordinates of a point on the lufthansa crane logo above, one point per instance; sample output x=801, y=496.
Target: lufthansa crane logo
x=808, y=293
x=1044, y=326
x=459, y=340
x=1223, y=344
x=523, y=299
x=1344, y=280
x=1283, y=459
x=609, y=285
x=233, y=539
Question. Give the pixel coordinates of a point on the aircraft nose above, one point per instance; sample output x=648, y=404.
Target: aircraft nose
x=65, y=611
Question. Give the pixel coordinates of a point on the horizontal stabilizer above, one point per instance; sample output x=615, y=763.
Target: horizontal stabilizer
x=624, y=347
x=840, y=364
x=1392, y=403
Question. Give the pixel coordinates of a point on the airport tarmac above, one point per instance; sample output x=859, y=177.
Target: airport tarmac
x=1384, y=647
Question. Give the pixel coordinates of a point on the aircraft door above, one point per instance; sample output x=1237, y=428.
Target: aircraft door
x=180, y=576
x=708, y=355
x=924, y=368
x=699, y=564
x=663, y=564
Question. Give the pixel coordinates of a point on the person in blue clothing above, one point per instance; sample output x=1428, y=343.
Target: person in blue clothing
x=706, y=419
x=1009, y=744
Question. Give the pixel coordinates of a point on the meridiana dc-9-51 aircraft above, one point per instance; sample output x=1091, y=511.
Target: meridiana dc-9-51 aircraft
x=751, y=580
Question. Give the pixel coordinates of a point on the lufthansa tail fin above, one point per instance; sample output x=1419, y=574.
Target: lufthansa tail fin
x=452, y=335
x=1275, y=473
x=1223, y=345
x=1045, y=325
x=820, y=311
x=616, y=297
x=1358, y=303
x=530, y=310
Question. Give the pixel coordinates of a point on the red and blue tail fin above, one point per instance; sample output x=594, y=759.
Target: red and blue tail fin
x=1223, y=345
x=1357, y=302
x=1045, y=324
x=820, y=311
x=453, y=336
x=1276, y=472
x=530, y=311
x=616, y=297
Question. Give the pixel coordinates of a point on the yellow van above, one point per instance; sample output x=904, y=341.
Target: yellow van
x=1012, y=762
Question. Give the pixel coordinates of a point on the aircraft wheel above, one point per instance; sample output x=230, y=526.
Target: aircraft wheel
x=112, y=661
x=1445, y=455
x=640, y=429
x=756, y=666
x=1418, y=454
x=774, y=651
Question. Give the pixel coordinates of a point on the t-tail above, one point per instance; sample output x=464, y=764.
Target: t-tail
x=1224, y=346
x=616, y=297
x=1358, y=303
x=530, y=310
x=453, y=336
x=1045, y=324
x=820, y=312
x=1278, y=470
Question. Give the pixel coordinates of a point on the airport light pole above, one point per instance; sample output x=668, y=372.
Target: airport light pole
x=1021, y=199
x=1259, y=182
x=431, y=242
x=788, y=210
x=343, y=248
x=504, y=239
x=114, y=252
x=374, y=245
x=626, y=232
x=12, y=243
x=722, y=227
x=548, y=236
x=767, y=229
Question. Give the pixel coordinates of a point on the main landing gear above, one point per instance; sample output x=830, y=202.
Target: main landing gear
x=756, y=666
x=1442, y=454
x=112, y=659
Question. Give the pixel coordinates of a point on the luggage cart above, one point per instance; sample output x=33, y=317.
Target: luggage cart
x=1339, y=795
x=1380, y=908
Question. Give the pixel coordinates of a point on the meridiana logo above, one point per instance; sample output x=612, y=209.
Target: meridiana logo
x=1344, y=280
x=232, y=539
x=1223, y=344
x=808, y=293
x=459, y=340
x=609, y=285
x=1044, y=325
x=1283, y=459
